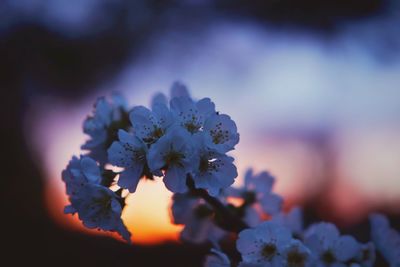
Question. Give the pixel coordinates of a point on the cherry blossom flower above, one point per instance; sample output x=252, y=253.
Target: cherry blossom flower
x=328, y=246
x=264, y=244
x=197, y=218
x=190, y=114
x=150, y=125
x=174, y=153
x=257, y=190
x=386, y=239
x=295, y=254
x=110, y=115
x=80, y=172
x=98, y=207
x=129, y=152
x=215, y=171
x=221, y=133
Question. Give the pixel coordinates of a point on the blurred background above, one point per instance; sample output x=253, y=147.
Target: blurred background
x=312, y=85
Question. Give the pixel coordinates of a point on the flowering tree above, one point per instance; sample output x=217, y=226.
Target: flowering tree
x=185, y=142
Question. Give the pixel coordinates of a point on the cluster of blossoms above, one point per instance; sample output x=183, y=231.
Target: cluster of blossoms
x=274, y=238
x=185, y=142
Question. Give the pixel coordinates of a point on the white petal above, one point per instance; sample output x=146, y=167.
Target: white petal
x=90, y=169
x=129, y=178
x=175, y=180
x=178, y=89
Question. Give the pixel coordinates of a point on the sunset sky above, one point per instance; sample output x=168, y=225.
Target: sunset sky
x=284, y=98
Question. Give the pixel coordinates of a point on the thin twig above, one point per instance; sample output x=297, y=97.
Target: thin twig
x=230, y=221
